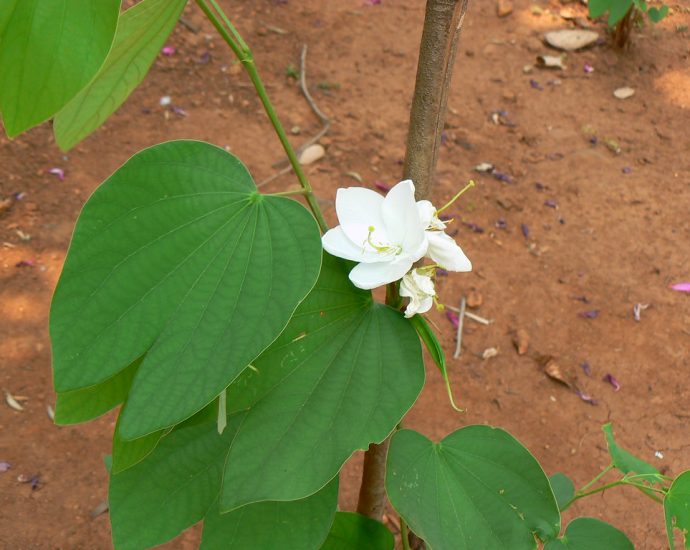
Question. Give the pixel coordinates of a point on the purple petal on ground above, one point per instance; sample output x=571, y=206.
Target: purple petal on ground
x=550, y=203
x=59, y=172
x=612, y=380
x=588, y=68
x=178, y=111
x=474, y=227
x=35, y=482
x=168, y=50
x=626, y=170
x=586, y=398
x=590, y=314
x=637, y=309
x=440, y=272
x=500, y=176
x=594, y=140
x=525, y=230
x=453, y=318
x=681, y=287
x=501, y=224
x=539, y=186
x=381, y=186
x=586, y=368
x=4, y=466
x=204, y=58
x=444, y=138
x=25, y=263
x=535, y=85
x=372, y=2
x=20, y=196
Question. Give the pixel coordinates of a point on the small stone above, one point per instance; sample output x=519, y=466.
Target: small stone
x=312, y=154
x=504, y=8
x=570, y=39
x=624, y=93
x=521, y=341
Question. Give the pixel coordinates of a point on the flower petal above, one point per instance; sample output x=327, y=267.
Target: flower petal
x=372, y=275
x=446, y=253
x=426, y=212
x=401, y=216
x=336, y=243
x=359, y=206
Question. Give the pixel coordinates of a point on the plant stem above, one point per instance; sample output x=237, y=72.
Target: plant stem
x=404, y=534
x=232, y=38
x=442, y=25
x=597, y=478
x=290, y=193
x=624, y=481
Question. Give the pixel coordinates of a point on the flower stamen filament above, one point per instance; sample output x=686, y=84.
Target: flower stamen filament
x=456, y=197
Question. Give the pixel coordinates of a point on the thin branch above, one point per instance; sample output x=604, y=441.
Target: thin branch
x=458, y=335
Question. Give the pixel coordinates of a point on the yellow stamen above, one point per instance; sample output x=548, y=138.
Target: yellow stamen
x=456, y=197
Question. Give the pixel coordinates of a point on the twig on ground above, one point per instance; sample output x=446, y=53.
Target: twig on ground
x=189, y=25
x=458, y=334
x=472, y=316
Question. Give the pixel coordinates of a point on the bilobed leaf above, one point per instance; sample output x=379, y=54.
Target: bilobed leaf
x=341, y=376
x=173, y=488
x=141, y=32
x=563, y=489
x=478, y=488
x=590, y=534
x=352, y=531
x=625, y=461
x=91, y=402
x=617, y=10
x=657, y=14
x=178, y=256
x=677, y=509
x=48, y=51
x=270, y=525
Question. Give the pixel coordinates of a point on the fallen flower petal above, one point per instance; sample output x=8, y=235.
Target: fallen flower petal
x=168, y=50
x=525, y=230
x=681, y=287
x=586, y=368
x=4, y=466
x=612, y=380
x=25, y=263
x=419, y=288
x=501, y=224
x=591, y=314
x=59, y=172
x=474, y=227
x=453, y=318
x=588, y=68
x=382, y=186
x=586, y=398
x=535, y=85
x=550, y=203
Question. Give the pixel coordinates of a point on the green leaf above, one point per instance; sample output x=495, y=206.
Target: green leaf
x=563, y=489
x=677, y=508
x=623, y=460
x=352, y=531
x=341, y=376
x=657, y=14
x=85, y=404
x=617, y=11
x=141, y=32
x=478, y=488
x=270, y=525
x=173, y=488
x=597, y=8
x=48, y=51
x=178, y=256
x=434, y=348
x=127, y=453
x=591, y=534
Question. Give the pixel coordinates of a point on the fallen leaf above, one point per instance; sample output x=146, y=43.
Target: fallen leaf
x=553, y=371
x=612, y=380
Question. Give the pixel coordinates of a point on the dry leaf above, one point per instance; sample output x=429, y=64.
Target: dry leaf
x=488, y=353
x=553, y=371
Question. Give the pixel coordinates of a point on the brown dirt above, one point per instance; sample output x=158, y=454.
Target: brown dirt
x=616, y=238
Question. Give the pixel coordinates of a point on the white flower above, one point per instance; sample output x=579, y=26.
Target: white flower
x=385, y=235
x=419, y=288
x=388, y=235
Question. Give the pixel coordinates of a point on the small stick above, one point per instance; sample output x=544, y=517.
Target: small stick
x=472, y=316
x=312, y=104
x=458, y=334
